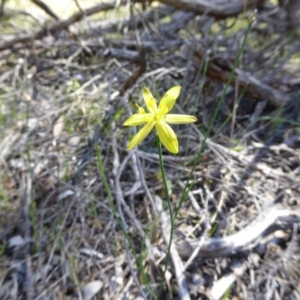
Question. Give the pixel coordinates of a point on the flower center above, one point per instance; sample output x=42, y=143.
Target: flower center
x=162, y=111
x=158, y=117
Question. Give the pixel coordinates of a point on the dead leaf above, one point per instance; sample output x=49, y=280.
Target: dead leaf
x=58, y=126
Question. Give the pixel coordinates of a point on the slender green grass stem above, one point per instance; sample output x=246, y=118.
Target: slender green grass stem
x=161, y=164
x=117, y=218
x=110, y=199
x=188, y=186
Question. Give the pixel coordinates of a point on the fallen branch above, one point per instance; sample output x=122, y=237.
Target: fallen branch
x=219, y=69
x=219, y=9
x=64, y=24
x=46, y=8
x=177, y=262
x=220, y=247
x=133, y=21
x=141, y=68
x=220, y=286
x=255, y=87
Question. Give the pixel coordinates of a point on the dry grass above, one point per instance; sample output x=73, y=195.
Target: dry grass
x=66, y=92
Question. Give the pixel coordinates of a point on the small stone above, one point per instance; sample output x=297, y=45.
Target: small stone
x=16, y=240
x=91, y=289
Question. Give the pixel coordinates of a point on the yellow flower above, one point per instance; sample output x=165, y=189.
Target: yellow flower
x=158, y=117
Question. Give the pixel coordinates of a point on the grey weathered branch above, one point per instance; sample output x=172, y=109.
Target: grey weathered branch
x=218, y=247
x=219, y=9
x=46, y=8
x=220, y=68
x=177, y=262
x=64, y=24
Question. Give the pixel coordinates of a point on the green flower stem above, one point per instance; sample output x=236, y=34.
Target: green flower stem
x=161, y=164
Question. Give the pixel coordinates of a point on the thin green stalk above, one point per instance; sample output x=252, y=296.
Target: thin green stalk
x=230, y=116
x=187, y=187
x=114, y=212
x=161, y=164
x=110, y=198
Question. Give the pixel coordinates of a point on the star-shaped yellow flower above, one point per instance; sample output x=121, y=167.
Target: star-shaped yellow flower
x=158, y=117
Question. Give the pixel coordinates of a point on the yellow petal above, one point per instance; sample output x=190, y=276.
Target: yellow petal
x=168, y=100
x=138, y=119
x=138, y=138
x=167, y=136
x=141, y=109
x=179, y=119
x=149, y=101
